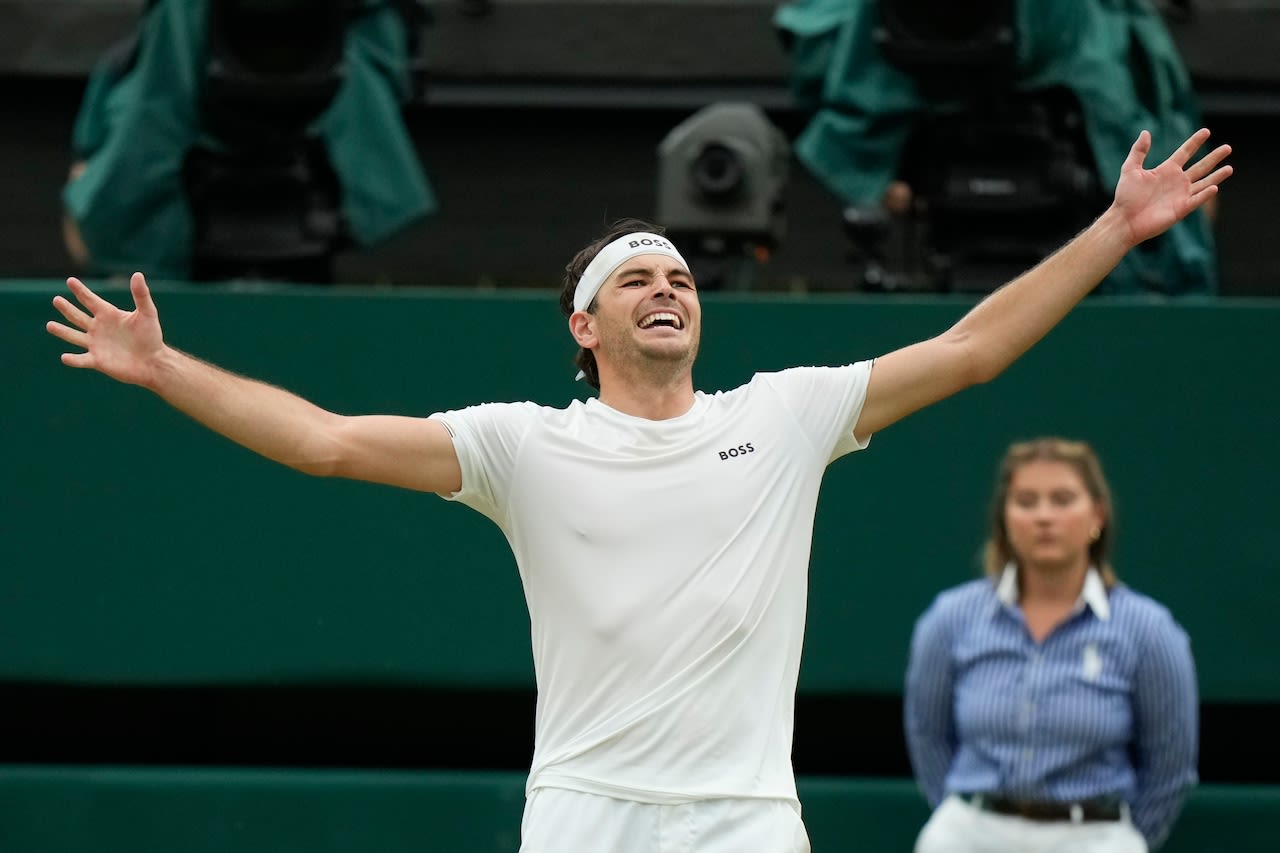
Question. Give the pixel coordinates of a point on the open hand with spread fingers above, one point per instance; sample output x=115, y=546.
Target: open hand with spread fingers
x=1152, y=200
x=124, y=345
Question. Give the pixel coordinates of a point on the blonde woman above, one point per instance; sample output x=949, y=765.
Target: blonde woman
x=1048, y=706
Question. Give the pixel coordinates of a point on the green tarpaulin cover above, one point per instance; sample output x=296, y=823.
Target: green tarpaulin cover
x=138, y=120
x=1116, y=56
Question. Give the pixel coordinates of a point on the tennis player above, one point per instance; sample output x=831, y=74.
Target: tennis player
x=662, y=534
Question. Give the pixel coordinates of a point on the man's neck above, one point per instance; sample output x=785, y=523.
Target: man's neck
x=649, y=400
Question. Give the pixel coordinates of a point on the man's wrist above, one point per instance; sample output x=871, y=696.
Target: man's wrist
x=1113, y=230
x=166, y=365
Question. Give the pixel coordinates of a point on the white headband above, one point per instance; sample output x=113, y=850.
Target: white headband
x=612, y=256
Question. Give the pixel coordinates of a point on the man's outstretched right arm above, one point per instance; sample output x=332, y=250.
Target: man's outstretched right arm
x=128, y=346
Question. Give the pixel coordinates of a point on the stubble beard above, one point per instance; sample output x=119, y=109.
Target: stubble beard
x=660, y=364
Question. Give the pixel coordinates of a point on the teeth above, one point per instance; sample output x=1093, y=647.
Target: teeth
x=662, y=315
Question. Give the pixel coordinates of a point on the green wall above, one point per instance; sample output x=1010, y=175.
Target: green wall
x=136, y=548
x=204, y=810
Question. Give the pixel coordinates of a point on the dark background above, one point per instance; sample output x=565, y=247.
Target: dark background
x=540, y=122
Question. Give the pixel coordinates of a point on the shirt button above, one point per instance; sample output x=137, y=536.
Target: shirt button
x=1027, y=754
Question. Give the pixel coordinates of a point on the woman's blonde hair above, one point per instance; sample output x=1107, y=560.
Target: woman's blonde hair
x=997, y=553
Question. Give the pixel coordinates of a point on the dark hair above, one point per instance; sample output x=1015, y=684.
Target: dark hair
x=586, y=359
x=998, y=552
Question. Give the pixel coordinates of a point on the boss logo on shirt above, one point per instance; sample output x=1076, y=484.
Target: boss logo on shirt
x=740, y=450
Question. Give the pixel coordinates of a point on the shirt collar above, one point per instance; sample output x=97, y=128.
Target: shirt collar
x=1094, y=593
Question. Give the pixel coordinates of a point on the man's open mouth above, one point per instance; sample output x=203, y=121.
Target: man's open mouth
x=662, y=318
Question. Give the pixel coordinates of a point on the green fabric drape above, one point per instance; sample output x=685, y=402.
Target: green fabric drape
x=1116, y=56
x=138, y=119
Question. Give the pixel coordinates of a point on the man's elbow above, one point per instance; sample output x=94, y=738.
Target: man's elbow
x=976, y=365
x=316, y=465
x=983, y=371
x=320, y=468
x=323, y=453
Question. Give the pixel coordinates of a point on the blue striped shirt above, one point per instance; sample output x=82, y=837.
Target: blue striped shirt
x=1106, y=705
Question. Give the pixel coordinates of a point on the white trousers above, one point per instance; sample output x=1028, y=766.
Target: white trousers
x=562, y=821
x=958, y=827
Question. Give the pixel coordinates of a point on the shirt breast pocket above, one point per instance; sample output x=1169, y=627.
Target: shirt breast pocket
x=1097, y=694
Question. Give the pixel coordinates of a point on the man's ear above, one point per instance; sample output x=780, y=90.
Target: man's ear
x=583, y=328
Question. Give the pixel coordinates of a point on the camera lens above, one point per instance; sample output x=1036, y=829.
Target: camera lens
x=717, y=172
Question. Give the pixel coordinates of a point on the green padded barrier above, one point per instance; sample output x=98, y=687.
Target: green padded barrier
x=200, y=810
x=885, y=815
x=855, y=815
x=1227, y=819
x=136, y=548
x=122, y=810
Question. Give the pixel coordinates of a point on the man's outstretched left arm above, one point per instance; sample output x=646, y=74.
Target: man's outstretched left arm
x=1007, y=323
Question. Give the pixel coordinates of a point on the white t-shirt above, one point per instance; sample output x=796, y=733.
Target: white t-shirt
x=665, y=569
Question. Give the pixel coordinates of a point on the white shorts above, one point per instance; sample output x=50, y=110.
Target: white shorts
x=557, y=820
x=958, y=827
